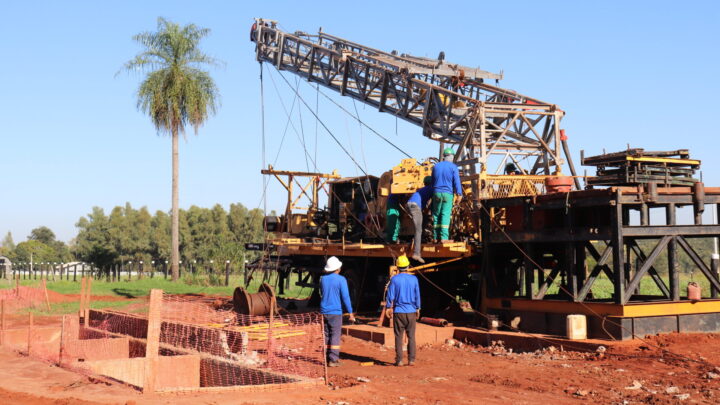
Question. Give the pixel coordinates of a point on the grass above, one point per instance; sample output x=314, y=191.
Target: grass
x=140, y=288
x=64, y=308
x=603, y=288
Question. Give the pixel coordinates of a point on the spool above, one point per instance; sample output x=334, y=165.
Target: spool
x=254, y=304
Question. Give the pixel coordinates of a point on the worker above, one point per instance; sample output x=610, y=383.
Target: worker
x=511, y=169
x=392, y=218
x=416, y=205
x=403, y=307
x=445, y=182
x=334, y=295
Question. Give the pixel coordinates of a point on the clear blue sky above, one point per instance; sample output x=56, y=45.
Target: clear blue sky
x=641, y=72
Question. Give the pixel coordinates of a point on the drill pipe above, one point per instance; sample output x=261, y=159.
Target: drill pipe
x=434, y=321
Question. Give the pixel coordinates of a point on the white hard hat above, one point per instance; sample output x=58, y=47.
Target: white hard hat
x=332, y=264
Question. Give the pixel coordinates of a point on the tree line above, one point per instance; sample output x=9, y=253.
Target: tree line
x=128, y=234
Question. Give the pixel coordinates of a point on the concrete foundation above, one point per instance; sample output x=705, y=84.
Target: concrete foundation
x=173, y=371
x=437, y=335
x=46, y=344
x=611, y=327
x=424, y=334
x=98, y=349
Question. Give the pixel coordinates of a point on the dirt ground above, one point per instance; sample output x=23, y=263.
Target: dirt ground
x=638, y=373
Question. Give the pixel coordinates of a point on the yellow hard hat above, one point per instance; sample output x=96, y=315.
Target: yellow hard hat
x=403, y=261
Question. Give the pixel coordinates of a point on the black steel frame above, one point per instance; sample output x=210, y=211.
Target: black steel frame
x=592, y=224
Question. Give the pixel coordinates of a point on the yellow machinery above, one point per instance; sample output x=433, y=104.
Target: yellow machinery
x=406, y=178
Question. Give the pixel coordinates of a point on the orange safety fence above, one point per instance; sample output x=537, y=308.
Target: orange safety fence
x=22, y=297
x=180, y=343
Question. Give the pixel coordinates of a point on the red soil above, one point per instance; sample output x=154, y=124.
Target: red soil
x=442, y=375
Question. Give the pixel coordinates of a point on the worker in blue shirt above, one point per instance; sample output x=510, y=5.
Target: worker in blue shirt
x=445, y=182
x=415, y=206
x=403, y=306
x=334, y=294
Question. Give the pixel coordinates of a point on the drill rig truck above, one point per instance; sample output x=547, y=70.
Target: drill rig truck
x=528, y=244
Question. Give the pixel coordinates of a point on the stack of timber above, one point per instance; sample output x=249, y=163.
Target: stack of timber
x=636, y=166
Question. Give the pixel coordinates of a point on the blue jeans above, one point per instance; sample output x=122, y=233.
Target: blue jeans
x=333, y=331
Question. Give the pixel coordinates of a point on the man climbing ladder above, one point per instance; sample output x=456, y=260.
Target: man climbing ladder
x=445, y=181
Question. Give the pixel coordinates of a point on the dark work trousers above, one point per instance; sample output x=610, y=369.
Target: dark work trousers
x=333, y=330
x=417, y=218
x=404, y=323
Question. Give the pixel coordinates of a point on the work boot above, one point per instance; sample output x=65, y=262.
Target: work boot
x=411, y=363
x=334, y=364
x=398, y=364
x=417, y=258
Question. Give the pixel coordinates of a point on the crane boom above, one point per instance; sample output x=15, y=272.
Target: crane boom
x=451, y=103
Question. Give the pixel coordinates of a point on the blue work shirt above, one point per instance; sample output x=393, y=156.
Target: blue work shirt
x=446, y=178
x=334, y=292
x=403, y=294
x=421, y=196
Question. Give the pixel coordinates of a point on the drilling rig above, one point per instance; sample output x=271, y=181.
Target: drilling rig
x=528, y=246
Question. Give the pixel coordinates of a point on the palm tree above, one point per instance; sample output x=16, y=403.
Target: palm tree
x=176, y=92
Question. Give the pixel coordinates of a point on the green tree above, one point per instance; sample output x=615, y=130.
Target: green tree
x=93, y=243
x=42, y=234
x=35, y=251
x=7, y=247
x=176, y=92
x=160, y=244
x=46, y=236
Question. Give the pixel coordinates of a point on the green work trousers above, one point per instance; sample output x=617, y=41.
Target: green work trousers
x=442, y=211
x=392, y=222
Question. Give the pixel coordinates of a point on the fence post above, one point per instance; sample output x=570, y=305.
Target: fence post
x=30, y=330
x=270, y=340
x=227, y=273
x=88, y=289
x=152, y=348
x=63, y=331
x=81, y=311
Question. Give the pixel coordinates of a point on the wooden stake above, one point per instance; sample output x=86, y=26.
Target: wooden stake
x=81, y=311
x=382, y=315
x=324, y=351
x=62, y=340
x=47, y=298
x=88, y=291
x=152, y=349
x=30, y=330
x=270, y=339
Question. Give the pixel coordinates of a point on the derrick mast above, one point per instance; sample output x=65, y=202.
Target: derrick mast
x=451, y=103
